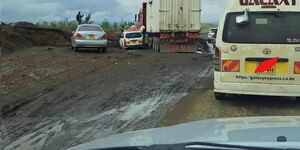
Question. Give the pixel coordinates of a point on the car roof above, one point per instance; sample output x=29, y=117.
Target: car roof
x=132, y=32
x=88, y=25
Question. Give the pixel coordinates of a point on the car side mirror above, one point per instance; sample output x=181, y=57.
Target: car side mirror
x=243, y=19
x=73, y=32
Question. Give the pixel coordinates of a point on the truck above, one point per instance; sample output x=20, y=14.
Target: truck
x=171, y=25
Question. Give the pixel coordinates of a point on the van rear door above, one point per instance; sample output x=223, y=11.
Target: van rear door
x=266, y=36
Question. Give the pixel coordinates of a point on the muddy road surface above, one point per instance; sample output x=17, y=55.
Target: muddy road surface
x=53, y=98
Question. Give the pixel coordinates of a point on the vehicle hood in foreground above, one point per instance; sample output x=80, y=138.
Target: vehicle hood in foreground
x=249, y=129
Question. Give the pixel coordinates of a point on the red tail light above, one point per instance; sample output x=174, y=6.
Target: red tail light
x=78, y=36
x=104, y=37
x=217, y=52
x=127, y=42
x=297, y=68
x=217, y=60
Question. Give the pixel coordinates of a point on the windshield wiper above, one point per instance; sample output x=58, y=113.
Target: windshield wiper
x=196, y=146
x=121, y=148
x=205, y=145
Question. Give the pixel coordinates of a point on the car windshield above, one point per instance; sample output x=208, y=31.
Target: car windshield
x=89, y=28
x=264, y=27
x=133, y=35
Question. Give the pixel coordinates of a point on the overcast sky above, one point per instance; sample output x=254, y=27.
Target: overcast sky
x=113, y=10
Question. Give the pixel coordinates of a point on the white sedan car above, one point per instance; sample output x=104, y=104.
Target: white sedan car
x=131, y=39
x=89, y=36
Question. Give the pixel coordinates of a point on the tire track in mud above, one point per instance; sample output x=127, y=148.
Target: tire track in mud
x=188, y=83
x=143, y=110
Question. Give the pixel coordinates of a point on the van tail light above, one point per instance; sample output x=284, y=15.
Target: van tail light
x=104, y=37
x=217, y=52
x=217, y=60
x=230, y=66
x=78, y=36
x=127, y=42
x=297, y=68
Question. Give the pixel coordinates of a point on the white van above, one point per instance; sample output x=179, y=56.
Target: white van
x=131, y=39
x=254, y=31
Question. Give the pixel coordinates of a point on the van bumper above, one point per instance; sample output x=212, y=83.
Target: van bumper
x=256, y=89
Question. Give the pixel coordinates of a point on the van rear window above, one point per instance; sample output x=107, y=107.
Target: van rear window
x=263, y=28
x=133, y=35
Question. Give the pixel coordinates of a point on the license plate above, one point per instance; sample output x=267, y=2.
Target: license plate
x=279, y=68
x=91, y=37
x=181, y=47
x=272, y=71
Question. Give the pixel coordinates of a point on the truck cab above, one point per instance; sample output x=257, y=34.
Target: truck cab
x=251, y=35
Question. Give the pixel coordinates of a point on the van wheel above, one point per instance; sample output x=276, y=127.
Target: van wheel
x=220, y=96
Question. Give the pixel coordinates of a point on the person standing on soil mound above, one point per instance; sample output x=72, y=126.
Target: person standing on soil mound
x=79, y=18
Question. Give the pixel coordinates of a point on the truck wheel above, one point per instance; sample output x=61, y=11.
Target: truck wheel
x=220, y=96
x=154, y=44
x=158, y=45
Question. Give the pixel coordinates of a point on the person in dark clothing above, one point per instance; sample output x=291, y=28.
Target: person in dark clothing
x=79, y=18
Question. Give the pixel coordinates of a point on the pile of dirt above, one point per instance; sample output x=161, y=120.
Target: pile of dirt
x=22, y=35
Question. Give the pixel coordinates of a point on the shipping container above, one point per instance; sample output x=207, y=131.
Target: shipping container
x=171, y=25
x=173, y=16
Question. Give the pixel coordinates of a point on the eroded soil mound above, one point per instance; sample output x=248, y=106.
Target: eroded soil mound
x=22, y=35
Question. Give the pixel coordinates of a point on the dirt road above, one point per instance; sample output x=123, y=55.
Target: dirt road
x=53, y=98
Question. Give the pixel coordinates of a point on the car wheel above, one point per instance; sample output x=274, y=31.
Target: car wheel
x=72, y=48
x=76, y=49
x=220, y=96
x=298, y=98
x=104, y=50
x=99, y=50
